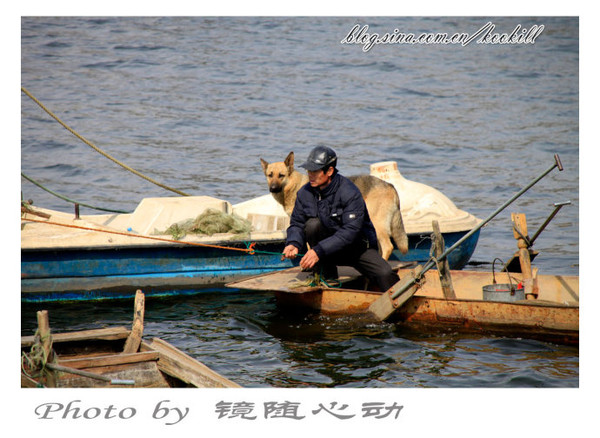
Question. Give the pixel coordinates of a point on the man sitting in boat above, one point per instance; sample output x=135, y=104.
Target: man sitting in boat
x=331, y=216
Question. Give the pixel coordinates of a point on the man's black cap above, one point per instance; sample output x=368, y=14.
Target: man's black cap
x=319, y=158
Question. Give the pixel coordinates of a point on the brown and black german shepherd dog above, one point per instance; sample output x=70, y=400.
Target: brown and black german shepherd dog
x=380, y=197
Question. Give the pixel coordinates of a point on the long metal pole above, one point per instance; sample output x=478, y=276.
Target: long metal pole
x=557, y=207
x=430, y=264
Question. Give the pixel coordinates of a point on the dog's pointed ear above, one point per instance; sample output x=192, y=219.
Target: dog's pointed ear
x=289, y=161
x=264, y=165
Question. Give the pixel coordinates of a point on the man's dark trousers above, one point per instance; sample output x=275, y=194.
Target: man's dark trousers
x=365, y=260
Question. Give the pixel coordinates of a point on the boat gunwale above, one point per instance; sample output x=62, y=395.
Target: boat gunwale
x=536, y=303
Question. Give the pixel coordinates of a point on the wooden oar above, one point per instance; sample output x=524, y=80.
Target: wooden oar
x=397, y=295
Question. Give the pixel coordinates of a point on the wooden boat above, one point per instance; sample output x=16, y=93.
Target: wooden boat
x=110, y=357
x=67, y=257
x=527, y=304
x=552, y=316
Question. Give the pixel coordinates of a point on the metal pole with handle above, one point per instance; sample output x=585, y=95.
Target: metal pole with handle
x=387, y=304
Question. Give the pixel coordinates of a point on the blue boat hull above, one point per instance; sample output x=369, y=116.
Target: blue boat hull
x=116, y=273
x=95, y=274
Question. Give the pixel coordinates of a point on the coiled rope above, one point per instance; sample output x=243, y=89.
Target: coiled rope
x=316, y=280
x=90, y=144
x=64, y=198
x=33, y=364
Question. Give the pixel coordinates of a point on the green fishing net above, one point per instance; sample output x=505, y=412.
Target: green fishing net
x=208, y=223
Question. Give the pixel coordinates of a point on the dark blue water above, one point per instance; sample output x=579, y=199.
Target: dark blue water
x=195, y=102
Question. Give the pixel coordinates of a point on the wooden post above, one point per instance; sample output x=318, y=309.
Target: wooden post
x=520, y=233
x=46, y=342
x=443, y=266
x=132, y=344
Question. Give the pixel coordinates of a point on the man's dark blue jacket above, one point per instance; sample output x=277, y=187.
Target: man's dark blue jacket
x=342, y=211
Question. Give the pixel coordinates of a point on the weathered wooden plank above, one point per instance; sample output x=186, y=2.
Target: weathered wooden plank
x=132, y=344
x=443, y=265
x=520, y=233
x=45, y=340
x=44, y=333
x=107, y=334
x=88, y=374
x=113, y=359
x=145, y=375
x=176, y=363
x=290, y=280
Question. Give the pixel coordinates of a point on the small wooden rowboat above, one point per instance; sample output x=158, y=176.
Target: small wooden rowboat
x=110, y=357
x=552, y=316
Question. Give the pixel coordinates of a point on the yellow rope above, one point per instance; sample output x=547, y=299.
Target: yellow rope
x=90, y=144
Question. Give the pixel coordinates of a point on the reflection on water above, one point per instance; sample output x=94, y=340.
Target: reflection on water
x=244, y=336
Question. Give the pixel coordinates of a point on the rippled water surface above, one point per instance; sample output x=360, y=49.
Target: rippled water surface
x=195, y=102
x=246, y=338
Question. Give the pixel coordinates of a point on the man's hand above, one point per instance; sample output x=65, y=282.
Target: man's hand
x=289, y=252
x=309, y=260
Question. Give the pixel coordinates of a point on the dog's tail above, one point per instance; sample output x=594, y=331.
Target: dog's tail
x=398, y=233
